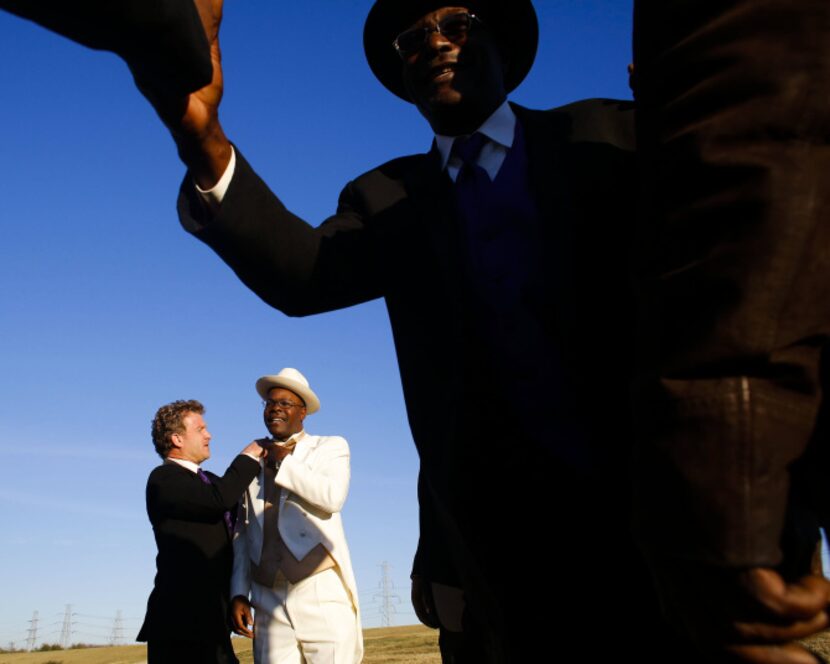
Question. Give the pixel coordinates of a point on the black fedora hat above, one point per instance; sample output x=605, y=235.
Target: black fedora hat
x=512, y=22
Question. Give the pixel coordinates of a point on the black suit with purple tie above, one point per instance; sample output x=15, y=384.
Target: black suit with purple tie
x=188, y=609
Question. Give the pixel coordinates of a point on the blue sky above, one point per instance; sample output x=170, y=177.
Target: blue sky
x=108, y=309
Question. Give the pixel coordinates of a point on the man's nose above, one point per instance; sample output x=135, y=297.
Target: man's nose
x=437, y=42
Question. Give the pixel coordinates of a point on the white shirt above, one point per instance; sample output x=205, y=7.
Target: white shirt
x=192, y=467
x=499, y=128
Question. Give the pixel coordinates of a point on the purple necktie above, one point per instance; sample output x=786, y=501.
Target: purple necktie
x=228, y=518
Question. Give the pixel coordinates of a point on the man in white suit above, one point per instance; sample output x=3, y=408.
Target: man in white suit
x=290, y=551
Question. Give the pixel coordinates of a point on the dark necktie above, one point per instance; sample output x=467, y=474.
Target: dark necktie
x=228, y=518
x=468, y=149
x=474, y=193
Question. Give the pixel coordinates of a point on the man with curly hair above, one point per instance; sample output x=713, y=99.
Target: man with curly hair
x=190, y=510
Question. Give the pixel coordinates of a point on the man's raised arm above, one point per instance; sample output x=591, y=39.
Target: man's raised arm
x=193, y=120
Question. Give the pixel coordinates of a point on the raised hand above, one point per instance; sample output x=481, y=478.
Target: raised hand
x=193, y=120
x=255, y=448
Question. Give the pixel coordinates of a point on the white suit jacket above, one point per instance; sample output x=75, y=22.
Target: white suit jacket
x=315, y=483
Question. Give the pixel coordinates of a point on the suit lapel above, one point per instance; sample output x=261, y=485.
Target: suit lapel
x=429, y=191
x=304, y=446
x=547, y=138
x=256, y=496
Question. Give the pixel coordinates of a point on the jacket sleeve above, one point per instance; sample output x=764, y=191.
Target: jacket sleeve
x=734, y=273
x=322, y=479
x=196, y=500
x=292, y=266
x=241, y=571
x=433, y=560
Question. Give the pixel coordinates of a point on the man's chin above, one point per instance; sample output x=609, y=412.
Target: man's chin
x=444, y=98
x=447, y=106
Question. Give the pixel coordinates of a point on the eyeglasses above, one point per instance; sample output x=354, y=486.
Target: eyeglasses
x=281, y=403
x=454, y=27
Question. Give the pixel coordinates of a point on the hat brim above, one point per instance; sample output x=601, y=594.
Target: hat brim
x=513, y=23
x=267, y=383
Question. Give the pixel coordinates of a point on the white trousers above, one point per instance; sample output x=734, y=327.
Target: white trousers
x=311, y=622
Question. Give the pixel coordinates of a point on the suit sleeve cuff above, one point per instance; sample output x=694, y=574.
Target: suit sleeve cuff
x=214, y=196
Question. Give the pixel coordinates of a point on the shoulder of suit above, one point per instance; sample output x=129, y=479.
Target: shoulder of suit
x=394, y=171
x=398, y=167
x=164, y=468
x=166, y=471
x=384, y=187
x=327, y=440
x=589, y=120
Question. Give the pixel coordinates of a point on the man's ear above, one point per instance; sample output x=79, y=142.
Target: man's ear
x=175, y=440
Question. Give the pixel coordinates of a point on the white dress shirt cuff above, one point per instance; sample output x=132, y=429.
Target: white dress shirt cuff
x=213, y=197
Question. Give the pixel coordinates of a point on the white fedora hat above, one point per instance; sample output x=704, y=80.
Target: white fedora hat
x=293, y=380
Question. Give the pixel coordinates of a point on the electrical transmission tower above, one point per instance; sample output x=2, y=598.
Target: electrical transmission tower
x=117, y=635
x=66, y=629
x=387, y=598
x=32, y=637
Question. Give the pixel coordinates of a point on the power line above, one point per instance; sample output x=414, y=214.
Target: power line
x=32, y=634
x=66, y=628
x=387, y=606
x=117, y=635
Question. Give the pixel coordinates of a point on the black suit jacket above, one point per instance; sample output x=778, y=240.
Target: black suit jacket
x=192, y=585
x=162, y=41
x=395, y=236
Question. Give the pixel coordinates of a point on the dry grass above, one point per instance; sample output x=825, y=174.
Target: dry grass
x=401, y=645
x=116, y=655
x=387, y=645
x=819, y=645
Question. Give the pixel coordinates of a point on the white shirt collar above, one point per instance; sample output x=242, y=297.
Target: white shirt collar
x=500, y=128
x=192, y=467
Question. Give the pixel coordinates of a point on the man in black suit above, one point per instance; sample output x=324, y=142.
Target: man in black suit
x=504, y=266
x=162, y=41
x=187, y=617
x=501, y=321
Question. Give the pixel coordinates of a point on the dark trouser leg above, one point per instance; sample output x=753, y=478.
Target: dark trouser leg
x=460, y=648
x=563, y=568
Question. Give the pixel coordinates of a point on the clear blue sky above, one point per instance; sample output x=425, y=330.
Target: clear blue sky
x=108, y=309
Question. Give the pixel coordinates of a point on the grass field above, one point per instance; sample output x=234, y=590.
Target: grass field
x=385, y=645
